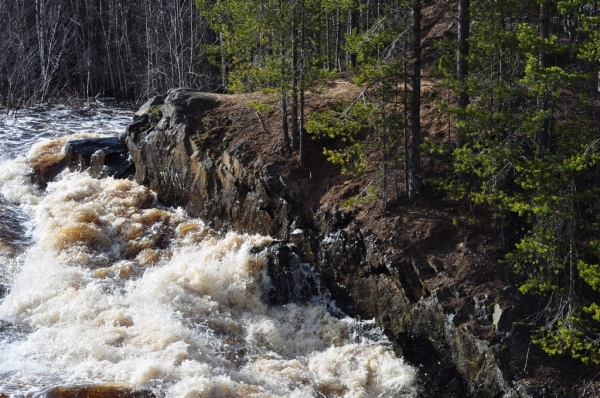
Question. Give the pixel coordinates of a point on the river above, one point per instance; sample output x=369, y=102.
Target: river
x=99, y=283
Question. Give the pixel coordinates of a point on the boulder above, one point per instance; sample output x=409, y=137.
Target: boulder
x=104, y=157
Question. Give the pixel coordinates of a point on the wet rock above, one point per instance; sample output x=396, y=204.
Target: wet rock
x=409, y=278
x=110, y=101
x=444, y=294
x=45, y=172
x=341, y=218
x=289, y=277
x=98, y=391
x=464, y=315
x=438, y=376
x=104, y=157
x=146, y=118
x=141, y=123
x=436, y=265
x=425, y=269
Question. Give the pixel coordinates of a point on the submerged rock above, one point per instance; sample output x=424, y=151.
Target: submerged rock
x=45, y=172
x=98, y=391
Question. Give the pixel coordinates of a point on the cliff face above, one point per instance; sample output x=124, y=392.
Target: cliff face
x=194, y=152
x=221, y=161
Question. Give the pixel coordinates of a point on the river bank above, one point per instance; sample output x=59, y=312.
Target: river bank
x=436, y=288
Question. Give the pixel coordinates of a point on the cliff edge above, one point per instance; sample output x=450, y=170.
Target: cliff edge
x=435, y=288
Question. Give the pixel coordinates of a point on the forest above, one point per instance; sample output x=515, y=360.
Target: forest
x=100, y=48
x=523, y=106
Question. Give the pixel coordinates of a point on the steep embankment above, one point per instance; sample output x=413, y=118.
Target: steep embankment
x=223, y=162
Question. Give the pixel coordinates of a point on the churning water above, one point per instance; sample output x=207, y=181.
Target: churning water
x=100, y=284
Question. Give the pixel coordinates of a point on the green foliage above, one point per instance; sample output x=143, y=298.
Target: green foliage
x=528, y=151
x=260, y=107
x=349, y=127
x=255, y=44
x=249, y=46
x=154, y=115
x=590, y=273
x=571, y=335
x=550, y=193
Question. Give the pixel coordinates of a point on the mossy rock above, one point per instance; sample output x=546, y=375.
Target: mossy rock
x=154, y=115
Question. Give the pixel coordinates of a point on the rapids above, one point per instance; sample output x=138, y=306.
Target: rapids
x=99, y=283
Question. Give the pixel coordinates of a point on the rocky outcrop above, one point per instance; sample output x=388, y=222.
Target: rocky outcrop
x=102, y=156
x=197, y=166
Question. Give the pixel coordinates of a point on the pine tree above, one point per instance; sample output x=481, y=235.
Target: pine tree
x=535, y=167
x=262, y=47
x=375, y=122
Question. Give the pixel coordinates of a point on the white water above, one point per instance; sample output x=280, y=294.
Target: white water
x=105, y=286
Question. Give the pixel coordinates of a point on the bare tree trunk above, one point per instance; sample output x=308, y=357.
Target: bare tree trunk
x=40, y=12
x=20, y=64
x=149, y=50
x=405, y=103
x=384, y=168
x=354, y=28
x=414, y=160
x=294, y=103
x=338, y=40
x=88, y=48
x=598, y=100
x=462, y=66
x=52, y=35
x=328, y=61
x=284, y=112
x=303, y=138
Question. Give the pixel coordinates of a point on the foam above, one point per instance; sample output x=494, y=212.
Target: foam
x=116, y=289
